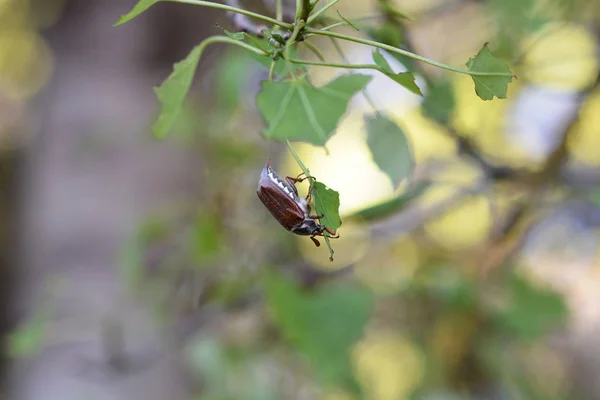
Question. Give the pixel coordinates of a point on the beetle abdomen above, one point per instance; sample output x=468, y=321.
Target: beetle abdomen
x=283, y=209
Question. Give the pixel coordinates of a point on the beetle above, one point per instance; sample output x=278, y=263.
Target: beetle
x=281, y=198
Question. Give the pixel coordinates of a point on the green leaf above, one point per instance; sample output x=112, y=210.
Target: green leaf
x=296, y=110
x=393, y=205
x=234, y=35
x=139, y=8
x=439, y=102
x=389, y=147
x=347, y=21
x=322, y=325
x=327, y=203
x=406, y=79
x=173, y=91
x=382, y=62
x=531, y=310
x=487, y=87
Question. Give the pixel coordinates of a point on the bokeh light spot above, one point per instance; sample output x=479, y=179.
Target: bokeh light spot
x=387, y=365
x=388, y=267
x=562, y=57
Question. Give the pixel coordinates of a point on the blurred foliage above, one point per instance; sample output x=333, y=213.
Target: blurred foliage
x=389, y=147
x=446, y=311
x=312, y=321
x=441, y=310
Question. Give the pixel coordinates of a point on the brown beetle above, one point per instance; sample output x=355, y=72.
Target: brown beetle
x=289, y=209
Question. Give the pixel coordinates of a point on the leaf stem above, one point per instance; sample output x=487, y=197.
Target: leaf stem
x=292, y=40
x=321, y=11
x=279, y=10
x=335, y=65
x=329, y=27
x=299, y=161
x=225, y=39
x=403, y=52
x=302, y=9
x=272, y=70
x=236, y=10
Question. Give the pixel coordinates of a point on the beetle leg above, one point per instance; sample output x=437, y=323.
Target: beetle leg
x=298, y=179
x=291, y=181
x=316, y=216
x=333, y=234
x=315, y=241
x=295, y=180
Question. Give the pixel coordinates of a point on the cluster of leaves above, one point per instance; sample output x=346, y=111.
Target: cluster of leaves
x=296, y=110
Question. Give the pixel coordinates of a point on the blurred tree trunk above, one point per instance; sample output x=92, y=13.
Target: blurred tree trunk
x=9, y=163
x=91, y=174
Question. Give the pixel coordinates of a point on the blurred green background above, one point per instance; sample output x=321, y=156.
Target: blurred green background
x=141, y=269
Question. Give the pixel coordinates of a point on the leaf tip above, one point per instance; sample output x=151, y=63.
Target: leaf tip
x=121, y=21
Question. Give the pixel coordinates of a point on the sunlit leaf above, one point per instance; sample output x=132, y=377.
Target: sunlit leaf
x=439, y=102
x=139, y=8
x=327, y=202
x=488, y=86
x=322, y=325
x=389, y=147
x=173, y=91
x=393, y=205
x=296, y=110
x=531, y=310
x=406, y=79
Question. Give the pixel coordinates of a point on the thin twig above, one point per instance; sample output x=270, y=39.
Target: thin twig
x=243, y=23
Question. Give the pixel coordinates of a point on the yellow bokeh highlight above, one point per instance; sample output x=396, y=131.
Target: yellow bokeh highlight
x=584, y=143
x=25, y=64
x=387, y=365
x=545, y=370
x=467, y=221
x=561, y=56
x=450, y=339
x=428, y=139
x=336, y=394
x=485, y=123
x=388, y=267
